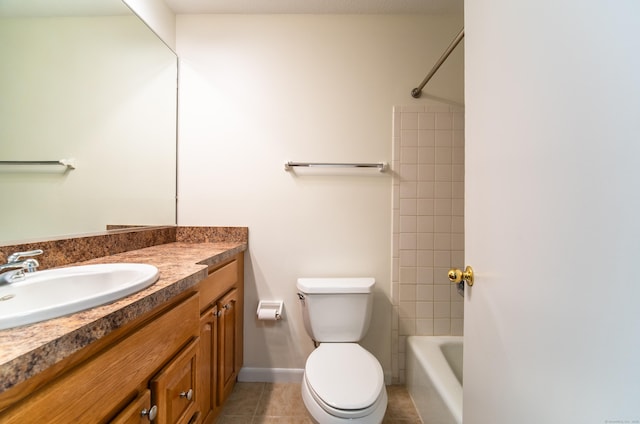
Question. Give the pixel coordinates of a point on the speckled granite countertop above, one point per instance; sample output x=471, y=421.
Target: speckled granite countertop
x=28, y=350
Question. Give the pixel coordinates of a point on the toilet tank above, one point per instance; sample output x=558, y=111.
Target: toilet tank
x=336, y=309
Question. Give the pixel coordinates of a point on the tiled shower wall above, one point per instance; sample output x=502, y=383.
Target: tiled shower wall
x=428, y=224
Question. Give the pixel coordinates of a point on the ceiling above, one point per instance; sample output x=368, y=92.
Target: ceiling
x=317, y=6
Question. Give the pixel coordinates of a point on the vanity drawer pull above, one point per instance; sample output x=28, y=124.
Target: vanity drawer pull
x=150, y=413
x=187, y=395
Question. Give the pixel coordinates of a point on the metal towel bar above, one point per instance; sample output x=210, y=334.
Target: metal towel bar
x=381, y=166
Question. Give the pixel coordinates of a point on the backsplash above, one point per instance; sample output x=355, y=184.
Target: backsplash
x=428, y=224
x=64, y=251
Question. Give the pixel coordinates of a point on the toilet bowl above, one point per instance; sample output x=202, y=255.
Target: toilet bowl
x=344, y=383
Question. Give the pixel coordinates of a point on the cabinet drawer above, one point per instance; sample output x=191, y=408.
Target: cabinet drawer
x=174, y=388
x=218, y=283
x=137, y=412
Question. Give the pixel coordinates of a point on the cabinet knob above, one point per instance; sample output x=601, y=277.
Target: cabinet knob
x=227, y=306
x=188, y=394
x=150, y=413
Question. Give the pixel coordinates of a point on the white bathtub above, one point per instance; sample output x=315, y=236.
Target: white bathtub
x=434, y=378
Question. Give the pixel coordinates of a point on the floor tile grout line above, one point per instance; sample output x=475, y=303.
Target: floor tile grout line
x=255, y=409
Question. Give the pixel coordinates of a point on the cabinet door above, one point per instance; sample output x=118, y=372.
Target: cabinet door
x=140, y=411
x=173, y=389
x=227, y=344
x=207, y=364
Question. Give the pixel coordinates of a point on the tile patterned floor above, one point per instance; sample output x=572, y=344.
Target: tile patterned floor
x=281, y=403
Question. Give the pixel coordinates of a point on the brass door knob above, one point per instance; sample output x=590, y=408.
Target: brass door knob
x=456, y=276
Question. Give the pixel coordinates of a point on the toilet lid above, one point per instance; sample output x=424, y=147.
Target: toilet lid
x=344, y=375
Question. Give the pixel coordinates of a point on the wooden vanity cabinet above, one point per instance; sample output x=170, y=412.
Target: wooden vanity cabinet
x=221, y=332
x=175, y=365
x=112, y=383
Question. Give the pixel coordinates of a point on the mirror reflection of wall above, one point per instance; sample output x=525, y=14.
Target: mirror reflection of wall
x=100, y=89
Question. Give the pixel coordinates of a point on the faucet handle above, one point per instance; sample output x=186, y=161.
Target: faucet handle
x=30, y=265
x=15, y=257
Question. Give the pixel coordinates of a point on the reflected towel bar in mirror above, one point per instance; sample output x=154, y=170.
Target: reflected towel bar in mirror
x=69, y=163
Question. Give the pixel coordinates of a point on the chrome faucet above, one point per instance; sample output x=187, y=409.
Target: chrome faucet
x=14, y=269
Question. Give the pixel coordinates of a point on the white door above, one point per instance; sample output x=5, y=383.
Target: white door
x=552, y=323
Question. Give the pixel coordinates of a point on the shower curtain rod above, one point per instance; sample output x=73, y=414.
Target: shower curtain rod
x=416, y=92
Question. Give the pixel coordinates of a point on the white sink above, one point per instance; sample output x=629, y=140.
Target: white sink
x=56, y=292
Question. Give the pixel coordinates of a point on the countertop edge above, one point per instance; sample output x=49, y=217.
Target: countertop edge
x=21, y=368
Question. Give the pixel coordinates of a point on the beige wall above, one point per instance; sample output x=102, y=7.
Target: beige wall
x=257, y=91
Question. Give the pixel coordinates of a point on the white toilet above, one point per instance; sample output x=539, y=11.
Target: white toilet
x=342, y=381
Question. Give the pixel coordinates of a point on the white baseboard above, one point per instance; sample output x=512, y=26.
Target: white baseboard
x=270, y=375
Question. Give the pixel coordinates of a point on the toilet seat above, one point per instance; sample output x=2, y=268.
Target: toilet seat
x=345, y=380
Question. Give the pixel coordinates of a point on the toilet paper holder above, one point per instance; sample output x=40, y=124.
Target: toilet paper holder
x=266, y=309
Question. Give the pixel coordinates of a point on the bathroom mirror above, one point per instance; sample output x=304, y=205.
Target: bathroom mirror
x=84, y=81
